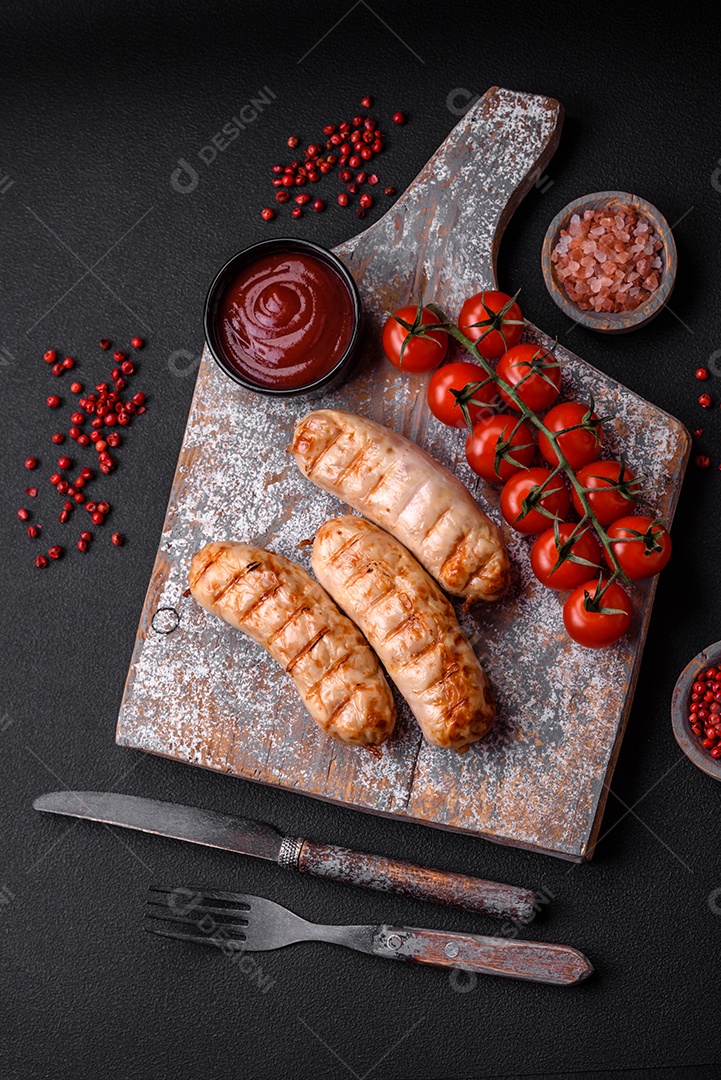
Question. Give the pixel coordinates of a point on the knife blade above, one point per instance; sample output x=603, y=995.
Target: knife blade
x=256, y=838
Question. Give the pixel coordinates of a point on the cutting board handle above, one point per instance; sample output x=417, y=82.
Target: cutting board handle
x=448, y=224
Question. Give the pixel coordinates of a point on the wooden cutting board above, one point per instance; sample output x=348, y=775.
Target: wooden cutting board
x=204, y=694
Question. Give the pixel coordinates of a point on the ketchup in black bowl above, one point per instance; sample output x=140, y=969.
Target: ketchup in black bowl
x=284, y=317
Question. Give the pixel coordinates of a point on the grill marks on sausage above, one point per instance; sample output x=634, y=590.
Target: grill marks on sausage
x=330, y=672
x=307, y=648
x=412, y=626
x=300, y=610
x=317, y=460
x=400, y=487
x=280, y=606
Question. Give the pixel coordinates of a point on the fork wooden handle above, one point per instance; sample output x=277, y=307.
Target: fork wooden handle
x=420, y=882
x=535, y=961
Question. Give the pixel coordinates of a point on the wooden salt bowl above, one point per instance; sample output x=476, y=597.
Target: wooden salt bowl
x=608, y=321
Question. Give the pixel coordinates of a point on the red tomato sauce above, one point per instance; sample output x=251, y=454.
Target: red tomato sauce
x=285, y=320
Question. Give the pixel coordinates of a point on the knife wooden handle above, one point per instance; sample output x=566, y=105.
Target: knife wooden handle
x=535, y=961
x=419, y=882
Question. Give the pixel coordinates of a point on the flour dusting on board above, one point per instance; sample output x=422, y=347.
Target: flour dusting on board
x=207, y=695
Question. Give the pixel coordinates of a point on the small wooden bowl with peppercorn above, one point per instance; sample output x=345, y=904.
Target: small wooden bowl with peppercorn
x=616, y=230
x=697, y=681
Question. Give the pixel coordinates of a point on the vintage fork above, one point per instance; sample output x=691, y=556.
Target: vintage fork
x=236, y=922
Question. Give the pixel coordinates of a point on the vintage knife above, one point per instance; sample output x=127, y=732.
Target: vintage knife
x=293, y=852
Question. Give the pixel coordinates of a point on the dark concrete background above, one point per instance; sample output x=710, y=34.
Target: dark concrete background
x=99, y=103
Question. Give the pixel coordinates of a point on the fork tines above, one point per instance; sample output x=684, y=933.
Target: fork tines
x=205, y=916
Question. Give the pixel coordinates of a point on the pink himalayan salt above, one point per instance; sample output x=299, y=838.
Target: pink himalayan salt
x=608, y=260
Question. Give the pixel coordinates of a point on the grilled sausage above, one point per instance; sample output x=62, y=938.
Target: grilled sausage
x=278, y=604
x=400, y=487
x=410, y=624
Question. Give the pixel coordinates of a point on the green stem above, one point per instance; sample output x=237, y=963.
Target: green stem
x=552, y=436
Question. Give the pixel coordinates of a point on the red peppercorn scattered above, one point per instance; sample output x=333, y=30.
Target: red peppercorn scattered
x=55, y=552
x=139, y=398
x=23, y=514
x=57, y=369
x=318, y=205
x=52, y=401
x=83, y=440
x=41, y=561
x=50, y=356
x=82, y=545
x=97, y=518
x=360, y=212
x=55, y=478
x=399, y=118
x=702, y=461
x=698, y=432
x=31, y=463
x=68, y=363
x=390, y=191
x=137, y=342
x=31, y=491
x=366, y=201
x=104, y=507
x=705, y=401
x=63, y=516
x=118, y=539
x=64, y=462
x=702, y=373
x=104, y=343
x=58, y=438
x=296, y=212
x=33, y=532
x=267, y=214
x=76, y=387
x=127, y=367
x=342, y=199
x=293, y=141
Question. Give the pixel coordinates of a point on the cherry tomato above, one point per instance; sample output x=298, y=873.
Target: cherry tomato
x=554, y=499
x=596, y=621
x=607, y=502
x=569, y=575
x=460, y=376
x=580, y=446
x=534, y=373
x=494, y=441
x=420, y=354
x=483, y=308
x=643, y=546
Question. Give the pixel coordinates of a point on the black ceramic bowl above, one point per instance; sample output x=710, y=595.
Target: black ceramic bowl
x=248, y=255
x=710, y=657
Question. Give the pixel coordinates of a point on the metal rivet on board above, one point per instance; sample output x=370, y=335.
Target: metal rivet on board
x=165, y=620
x=394, y=942
x=451, y=949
